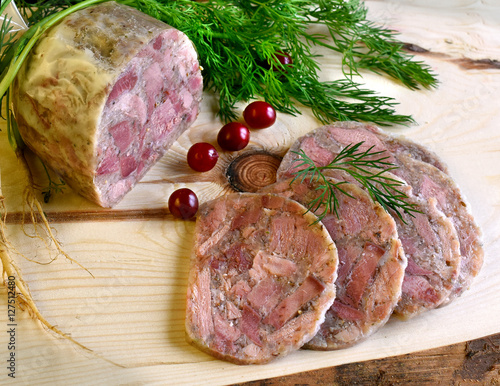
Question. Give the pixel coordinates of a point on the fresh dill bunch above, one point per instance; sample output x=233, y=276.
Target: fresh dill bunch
x=369, y=168
x=364, y=45
x=238, y=44
x=35, y=10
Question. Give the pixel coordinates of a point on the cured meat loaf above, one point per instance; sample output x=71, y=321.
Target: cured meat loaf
x=104, y=94
x=371, y=263
x=427, y=175
x=261, y=279
x=430, y=239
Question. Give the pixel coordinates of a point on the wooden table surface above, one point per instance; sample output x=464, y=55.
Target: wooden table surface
x=475, y=362
x=131, y=310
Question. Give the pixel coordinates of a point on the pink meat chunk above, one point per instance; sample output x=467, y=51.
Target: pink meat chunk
x=124, y=84
x=281, y=229
x=142, y=108
x=265, y=264
x=250, y=322
x=371, y=265
x=418, y=287
x=265, y=299
x=362, y=272
x=289, y=306
x=246, y=219
x=346, y=312
x=128, y=164
x=122, y=135
x=265, y=295
x=414, y=269
x=111, y=163
x=239, y=257
x=225, y=334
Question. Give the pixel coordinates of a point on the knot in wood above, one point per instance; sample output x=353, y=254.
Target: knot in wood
x=252, y=171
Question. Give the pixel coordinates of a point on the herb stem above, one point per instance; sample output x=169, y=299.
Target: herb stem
x=238, y=42
x=368, y=168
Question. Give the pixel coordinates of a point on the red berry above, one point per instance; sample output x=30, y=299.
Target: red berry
x=233, y=136
x=202, y=157
x=259, y=115
x=183, y=203
x=284, y=58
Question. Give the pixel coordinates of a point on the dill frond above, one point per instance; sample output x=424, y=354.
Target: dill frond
x=238, y=41
x=369, y=168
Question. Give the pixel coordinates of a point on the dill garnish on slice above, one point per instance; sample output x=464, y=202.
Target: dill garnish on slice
x=368, y=168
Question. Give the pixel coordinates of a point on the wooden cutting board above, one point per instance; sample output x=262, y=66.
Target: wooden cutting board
x=128, y=306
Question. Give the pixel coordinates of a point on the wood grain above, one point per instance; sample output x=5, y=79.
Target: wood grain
x=131, y=309
x=468, y=363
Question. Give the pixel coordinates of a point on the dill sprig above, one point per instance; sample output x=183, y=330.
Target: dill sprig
x=238, y=42
x=369, y=168
x=365, y=45
x=8, y=39
x=52, y=187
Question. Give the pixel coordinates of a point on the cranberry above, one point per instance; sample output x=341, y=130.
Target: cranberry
x=259, y=115
x=284, y=58
x=183, y=203
x=233, y=136
x=202, y=157
x=281, y=57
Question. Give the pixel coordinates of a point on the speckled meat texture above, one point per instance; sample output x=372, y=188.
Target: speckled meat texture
x=431, y=244
x=340, y=134
x=104, y=94
x=429, y=182
x=402, y=146
x=436, y=260
x=261, y=279
x=371, y=264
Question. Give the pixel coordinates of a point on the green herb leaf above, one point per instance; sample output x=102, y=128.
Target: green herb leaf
x=238, y=42
x=369, y=168
x=364, y=45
